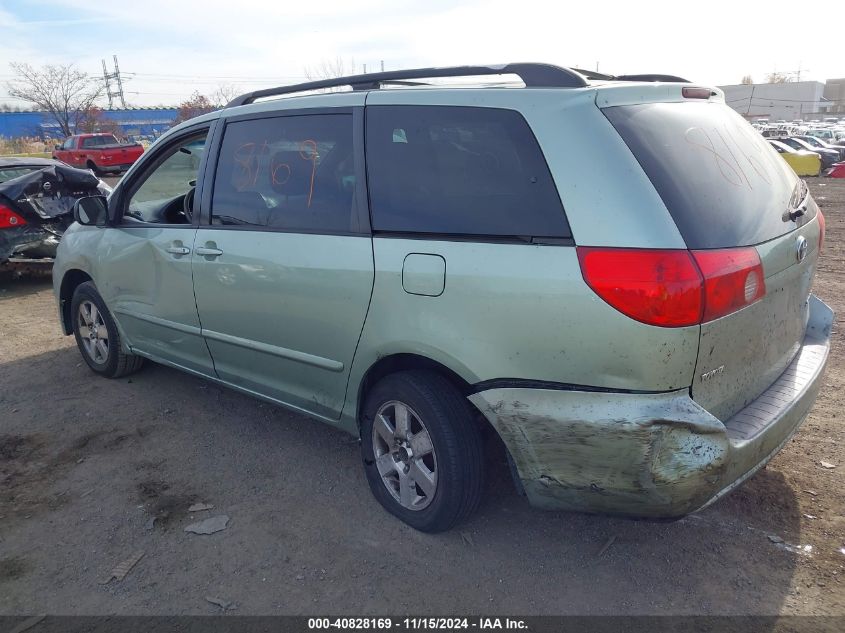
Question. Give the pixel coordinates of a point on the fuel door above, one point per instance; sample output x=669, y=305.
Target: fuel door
x=424, y=274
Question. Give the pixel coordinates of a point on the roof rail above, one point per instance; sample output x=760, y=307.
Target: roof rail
x=533, y=75
x=593, y=75
x=652, y=77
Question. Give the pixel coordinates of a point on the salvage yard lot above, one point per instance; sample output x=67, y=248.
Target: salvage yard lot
x=86, y=464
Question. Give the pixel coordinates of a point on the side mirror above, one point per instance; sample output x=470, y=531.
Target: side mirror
x=91, y=211
x=57, y=147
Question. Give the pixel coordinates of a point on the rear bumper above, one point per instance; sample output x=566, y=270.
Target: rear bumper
x=28, y=240
x=650, y=455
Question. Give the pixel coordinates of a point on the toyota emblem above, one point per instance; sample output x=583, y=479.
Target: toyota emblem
x=800, y=248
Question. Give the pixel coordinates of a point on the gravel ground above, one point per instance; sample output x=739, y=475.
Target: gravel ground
x=86, y=464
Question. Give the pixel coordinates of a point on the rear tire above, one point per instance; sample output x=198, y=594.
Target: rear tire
x=97, y=335
x=422, y=451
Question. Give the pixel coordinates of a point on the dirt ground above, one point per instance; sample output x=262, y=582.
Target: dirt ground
x=86, y=463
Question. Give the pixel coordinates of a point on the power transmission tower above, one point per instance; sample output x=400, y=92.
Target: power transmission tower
x=107, y=77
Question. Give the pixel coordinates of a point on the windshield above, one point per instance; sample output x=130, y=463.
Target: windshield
x=722, y=182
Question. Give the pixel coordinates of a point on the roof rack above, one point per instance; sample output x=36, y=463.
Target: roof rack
x=652, y=77
x=593, y=75
x=533, y=75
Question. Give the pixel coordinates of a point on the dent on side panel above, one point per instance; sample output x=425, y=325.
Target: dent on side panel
x=658, y=455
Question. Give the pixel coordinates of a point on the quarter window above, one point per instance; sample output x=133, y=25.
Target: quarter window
x=293, y=173
x=459, y=170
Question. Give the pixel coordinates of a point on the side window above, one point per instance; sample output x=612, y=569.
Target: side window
x=164, y=191
x=459, y=170
x=68, y=143
x=289, y=172
x=88, y=141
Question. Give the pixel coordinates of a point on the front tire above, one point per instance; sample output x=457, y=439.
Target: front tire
x=97, y=336
x=422, y=451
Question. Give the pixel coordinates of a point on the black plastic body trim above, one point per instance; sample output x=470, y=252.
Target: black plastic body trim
x=523, y=383
x=272, y=114
x=472, y=237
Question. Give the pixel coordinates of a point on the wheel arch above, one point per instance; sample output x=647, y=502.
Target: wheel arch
x=405, y=361
x=71, y=280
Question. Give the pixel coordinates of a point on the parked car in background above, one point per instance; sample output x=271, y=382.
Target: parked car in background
x=837, y=171
x=425, y=268
x=803, y=162
x=820, y=144
x=101, y=153
x=826, y=134
x=36, y=206
x=829, y=156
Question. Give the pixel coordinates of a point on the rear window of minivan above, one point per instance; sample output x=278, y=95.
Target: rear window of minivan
x=721, y=181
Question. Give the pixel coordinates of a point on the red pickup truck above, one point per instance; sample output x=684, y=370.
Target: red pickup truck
x=98, y=152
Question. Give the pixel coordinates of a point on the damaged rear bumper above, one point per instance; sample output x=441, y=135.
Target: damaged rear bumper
x=29, y=241
x=658, y=455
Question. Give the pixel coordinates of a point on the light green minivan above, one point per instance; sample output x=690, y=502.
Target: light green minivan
x=611, y=274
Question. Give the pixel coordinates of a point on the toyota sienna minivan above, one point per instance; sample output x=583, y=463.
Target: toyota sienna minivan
x=612, y=274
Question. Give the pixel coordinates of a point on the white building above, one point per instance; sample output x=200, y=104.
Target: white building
x=787, y=101
x=834, y=92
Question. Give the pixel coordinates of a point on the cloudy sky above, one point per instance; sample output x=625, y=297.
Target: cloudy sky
x=169, y=48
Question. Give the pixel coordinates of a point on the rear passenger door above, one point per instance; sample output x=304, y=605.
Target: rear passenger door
x=472, y=247
x=283, y=264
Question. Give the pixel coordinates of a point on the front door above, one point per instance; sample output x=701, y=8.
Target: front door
x=283, y=267
x=148, y=285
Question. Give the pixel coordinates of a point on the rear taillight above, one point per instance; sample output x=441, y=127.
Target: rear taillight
x=822, y=227
x=9, y=219
x=674, y=288
x=658, y=287
x=733, y=279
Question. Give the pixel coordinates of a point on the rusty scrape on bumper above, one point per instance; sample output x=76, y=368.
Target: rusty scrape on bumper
x=658, y=455
x=647, y=455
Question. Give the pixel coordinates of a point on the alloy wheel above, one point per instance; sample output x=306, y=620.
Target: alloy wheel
x=93, y=332
x=404, y=455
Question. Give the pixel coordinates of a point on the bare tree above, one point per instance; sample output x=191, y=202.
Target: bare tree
x=95, y=120
x=61, y=90
x=330, y=69
x=777, y=78
x=747, y=80
x=224, y=94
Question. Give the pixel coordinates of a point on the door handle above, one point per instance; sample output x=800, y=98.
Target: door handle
x=206, y=251
x=178, y=250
